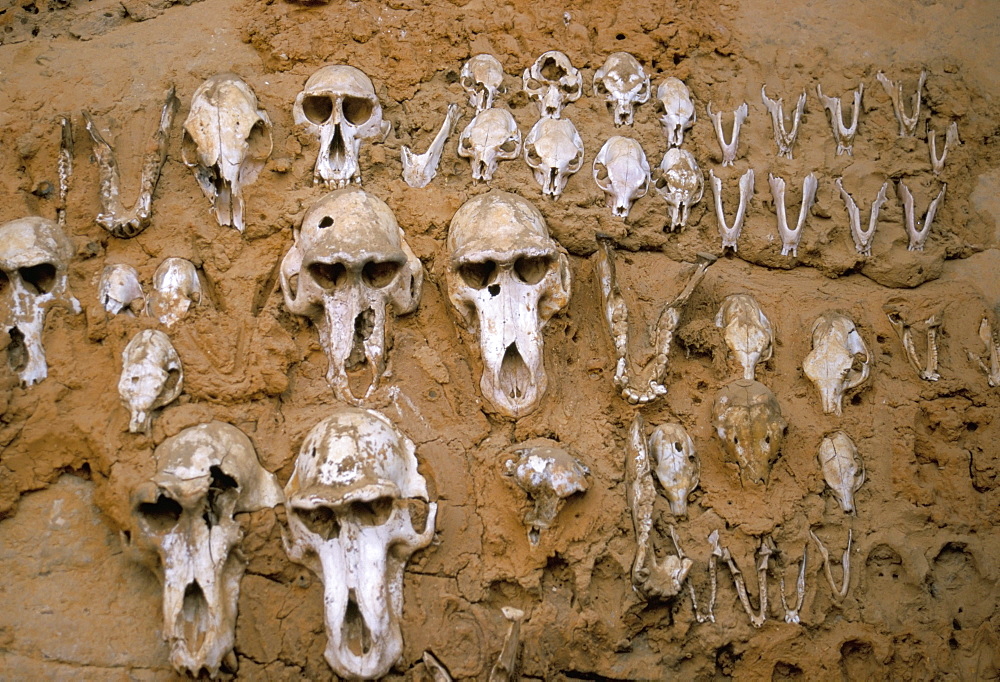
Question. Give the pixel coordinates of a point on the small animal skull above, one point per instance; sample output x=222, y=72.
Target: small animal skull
x=843, y=468
x=677, y=467
x=622, y=172
x=151, y=377
x=548, y=475
x=491, y=137
x=184, y=527
x=681, y=183
x=748, y=420
x=747, y=331
x=349, y=263
x=507, y=277
x=482, y=78
x=34, y=257
x=340, y=107
x=357, y=510
x=227, y=139
x=554, y=151
x=678, y=110
x=624, y=84
x=175, y=287
x=839, y=359
x=119, y=290
x=554, y=82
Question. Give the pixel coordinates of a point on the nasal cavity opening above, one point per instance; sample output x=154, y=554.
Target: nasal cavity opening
x=338, y=148
x=364, y=325
x=355, y=631
x=17, y=352
x=194, y=614
x=515, y=378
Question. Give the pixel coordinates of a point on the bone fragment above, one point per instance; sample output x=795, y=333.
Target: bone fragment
x=713, y=540
x=506, y=668
x=792, y=614
x=65, y=166
x=992, y=349
x=862, y=238
x=764, y=553
x=839, y=360
x=838, y=592
x=951, y=139
x=917, y=237
x=784, y=138
x=728, y=148
x=907, y=124
x=927, y=372
x=730, y=235
x=843, y=468
x=790, y=238
x=420, y=169
x=437, y=670
x=843, y=134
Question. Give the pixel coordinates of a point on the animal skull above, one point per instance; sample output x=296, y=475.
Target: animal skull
x=152, y=377
x=843, y=468
x=34, y=257
x=839, y=360
x=355, y=506
x=348, y=264
x=554, y=82
x=227, y=139
x=554, y=151
x=677, y=467
x=747, y=417
x=119, y=289
x=747, y=331
x=507, y=277
x=482, y=78
x=678, y=110
x=548, y=475
x=622, y=172
x=624, y=84
x=340, y=107
x=184, y=528
x=681, y=183
x=491, y=137
x=175, y=287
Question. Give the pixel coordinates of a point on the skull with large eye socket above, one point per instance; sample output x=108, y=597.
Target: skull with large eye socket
x=184, y=528
x=554, y=151
x=623, y=83
x=482, y=78
x=340, y=107
x=357, y=510
x=349, y=263
x=491, y=137
x=554, y=82
x=506, y=278
x=622, y=172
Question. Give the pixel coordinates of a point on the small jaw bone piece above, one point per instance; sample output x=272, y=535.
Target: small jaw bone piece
x=548, y=475
x=554, y=151
x=436, y=668
x=678, y=110
x=420, y=169
x=491, y=137
x=152, y=377
x=790, y=238
x=843, y=134
x=622, y=172
x=677, y=467
x=709, y=615
x=65, y=165
x=992, y=350
x=862, y=238
x=927, y=371
x=792, y=614
x=747, y=418
x=114, y=217
x=764, y=554
x=681, y=183
x=951, y=139
x=554, y=82
x=730, y=235
x=120, y=291
x=730, y=148
x=907, y=124
x=624, y=84
x=175, y=287
x=506, y=667
x=746, y=330
x=784, y=138
x=838, y=592
x=482, y=78
x=917, y=237
x=839, y=360
x=843, y=468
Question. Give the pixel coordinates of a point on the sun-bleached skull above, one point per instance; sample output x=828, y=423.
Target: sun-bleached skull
x=747, y=417
x=677, y=467
x=622, y=172
x=357, y=510
x=349, y=263
x=554, y=82
x=746, y=330
x=548, y=475
x=176, y=287
x=184, y=527
x=152, y=377
x=843, y=468
x=623, y=83
x=839, y=360
x=678, y=109
x=482, y=78
x=34, y=257
x=227, y=140
x=681, y=183
x=554, y=151
x=119, y=290
x=507, y=277
x=491, y=137
x=340, y=107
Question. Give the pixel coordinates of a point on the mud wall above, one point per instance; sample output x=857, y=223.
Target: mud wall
x=924, y=583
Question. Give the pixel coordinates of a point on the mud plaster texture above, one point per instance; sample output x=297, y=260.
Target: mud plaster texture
x=925, y=584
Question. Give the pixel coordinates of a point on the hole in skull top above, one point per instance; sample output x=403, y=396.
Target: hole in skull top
x=161, y=515
x=326, y=221
x=321, y=521
x=532, y=269
x=39, y=279
x=317, y=108
x=494, y=289
x=379, y=275
x=551, y=70
x=221, y=483
x=328, y=275
x=677, y=446
x=478, y=275
x=357, y=110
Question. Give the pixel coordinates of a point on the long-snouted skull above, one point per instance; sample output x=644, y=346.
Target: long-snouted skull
x=506, y=278
x=553, y=81
x=227, y=139
x=119, y=290
x=622, y=172
x=843, y=468
x=746, y=330
x=623, y=83
x=678, y=109
x=491, y=137
x=340, y=107
x=839, y=360
x=152, y=377
x=176, y=287
x=349, y=263
x=34, y=256
x=184, y=527
x=554, y=151
x=677, y=467
x=357, y=509
x=748, y=420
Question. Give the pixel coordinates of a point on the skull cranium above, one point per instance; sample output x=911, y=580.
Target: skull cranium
x=482, y=78
x=554, y=82
x=120, y=291
x=548, y=475
x=622, y=171
x=152, y=377
x=677, y=467
x=624, y=84
x=175, y=287
x=678, y=109
x=747, y=417
x=491, y=137
x=554, y=151
x=839, y=360
x=681, y=183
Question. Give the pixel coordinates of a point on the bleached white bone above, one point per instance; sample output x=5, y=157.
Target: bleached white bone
x=506, y=667
x=436, y=668
x=678, y=110
x=482, y=78
x=119, y=290
x=918, y=237
x=681, y=184
x=746, y=331
x=907, y=124
x=622, y=172
x=548, y=475
x=862, y=238
x=491, y=137
x=992, y=350
x=176, y=287
x=838, y=592
x=843, y=134
x=554, y=151
x=553, y=82
x=928, y=371
x=65, y=166
x=152, y=376
x=951, y=139
x=764, y=553
x=624, y=84
x=730, y=235
x=839, y=360
x=843, y=468
x=792, y=614
x=420, y=169
x=784, y=138
x=790, y=238
x=677, y=467
x=730, y=148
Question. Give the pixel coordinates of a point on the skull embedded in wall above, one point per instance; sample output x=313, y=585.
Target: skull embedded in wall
x=681, y=183
x=120, y=291
x=839, y=360
x=747, y=417
x=491, y=137
x=548, y=475
x=357, y=509
x=152, y=377
x=623, y=83
x=350, y=262
x=482, y=78
x=554, y=151
x=677, y=467
x=184, y=527
x=34, y=257
x=554, y=82
x=622, y=172
x=227, y=139
x=506, y=278
x=746, y=330
x=340, y=107
x=175, y=287
x=678, y=110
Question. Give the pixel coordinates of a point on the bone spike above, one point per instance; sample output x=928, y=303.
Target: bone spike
x=927, y=372
x=790, y=238
x=436, y=668
x=917, y=237
x=730, y=235
x=730, y=148
x=785, y=139
x=838, y=592
x=843, y=134
x=992, y=349
x=950, y=140
x=420, y=169
x=930, y=372
x=65, y=165
x=505, y=669
x=907, y=124
x=863, y=238
x=615, y=311
x=792, y=615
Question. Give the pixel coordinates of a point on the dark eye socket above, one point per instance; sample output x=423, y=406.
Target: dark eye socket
x=551, y=70
x=317, y=108
x=328, y=275
x=533, y=84
x=509, y=146
x=358, y=110
x=379, y=275
x=161, y=515
x=40, y=279
x=602, y=171
x=678, y=447
x=533, y=156
x=372, y=513
x=220, y=484
x=478, y=275
x=570, y=88
x=321, y=521
x=4, y=281
x=531, y=270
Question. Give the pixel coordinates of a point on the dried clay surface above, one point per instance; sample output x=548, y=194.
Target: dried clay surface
x=923, y=599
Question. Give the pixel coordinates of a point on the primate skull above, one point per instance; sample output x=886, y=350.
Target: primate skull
x=623, y=83
x=120, y=291
x=506, y=278
x=348, y=264
x=34, y=256
x=184, y=528
x=152, y=377
x=357, y=509
x=747, y=417
x=340, y=107
x=554, y=151
x=681, y=183
x=482, y=78
x=622, y=172
x=491, y=137
x=839, y=360
x=175, y=287
x=678, y=110
x=554, y=82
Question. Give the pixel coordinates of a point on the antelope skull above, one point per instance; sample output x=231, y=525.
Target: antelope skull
x=152, y=377
x=839, y=360
x=748, y=420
